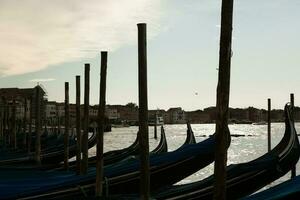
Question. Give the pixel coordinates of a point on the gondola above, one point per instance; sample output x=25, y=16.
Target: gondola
x=287, y=190
x=162, y=146
x=123, y=177
x=190, y=139
x=48, y=156
x=118, y=155
x=46, y=139
x=115, y=156
x=246, y=178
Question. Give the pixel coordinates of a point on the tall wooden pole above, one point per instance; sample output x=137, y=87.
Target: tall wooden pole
x=223, y=89
x=78, y=125
x=25, y=123
x=14, y=128
x=29, y=135
x=101, y=115
x=85, y=155
x=1, y=120
x=6, y=117
x=143, y=112
x=293, y=171
x=38, y=126
x=67, y=124
x=155, y=127
x=269, y=125
x=58, y=119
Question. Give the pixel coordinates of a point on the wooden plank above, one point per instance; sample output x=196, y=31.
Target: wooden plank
x=143, y=112
x=223, y=89
x=101, y=115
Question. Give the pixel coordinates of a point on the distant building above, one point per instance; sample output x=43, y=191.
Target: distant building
x=156, y=117
x=112, y=114
x=125, y=113
x=197, y=117
x=176, y=116
x=20, y=96
x=51, y=109
x=57, y=109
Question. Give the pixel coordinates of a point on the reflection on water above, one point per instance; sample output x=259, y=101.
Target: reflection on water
x=242, y=149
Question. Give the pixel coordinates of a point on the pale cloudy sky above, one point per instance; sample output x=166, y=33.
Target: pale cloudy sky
x=49, y=42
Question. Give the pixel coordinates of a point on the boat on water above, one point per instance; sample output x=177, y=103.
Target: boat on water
x=122, y=177
x=287, y=190
x=51, y=155
x=245, y=178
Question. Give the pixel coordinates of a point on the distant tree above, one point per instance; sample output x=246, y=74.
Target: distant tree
x=131, y=105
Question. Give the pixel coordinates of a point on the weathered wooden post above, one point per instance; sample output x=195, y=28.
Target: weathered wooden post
x=143, y=112
x=223, y=90
x=78, y=125
x=101, y=115
x=30, y=127
x=5, y=123
x=155, y=127
x=58, y=120
x=38, y=125
x=14, y=128
x=67, y=124
x=1, y=120
x=25, y=122
x=269, y=125
x=85, y=155
x=293, y=171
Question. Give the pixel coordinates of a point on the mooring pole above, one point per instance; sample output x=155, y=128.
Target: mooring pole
x=6, y=125
x=155, y=127
x=14, y=128
x=143, y=112
x=293, y=171
x=223, y=90
x=30, y=126
x=85, y=155
x=1, y=121
x=25, y=123
x=67, y=124
x=38, y=126
x=78, y=125
x=269, y=125
x=101, y=115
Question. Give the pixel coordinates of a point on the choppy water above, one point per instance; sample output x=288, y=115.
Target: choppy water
x=242, y=149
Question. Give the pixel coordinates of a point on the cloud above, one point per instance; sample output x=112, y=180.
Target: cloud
x=36, y=34
x=42, y=80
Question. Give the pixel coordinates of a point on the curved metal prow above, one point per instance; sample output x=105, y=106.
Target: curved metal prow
x=190, y=139
x=163, y=145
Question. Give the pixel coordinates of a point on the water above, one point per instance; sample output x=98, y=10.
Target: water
x=242, y=149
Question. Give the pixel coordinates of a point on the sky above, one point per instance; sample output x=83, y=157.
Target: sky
x=48, y=42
